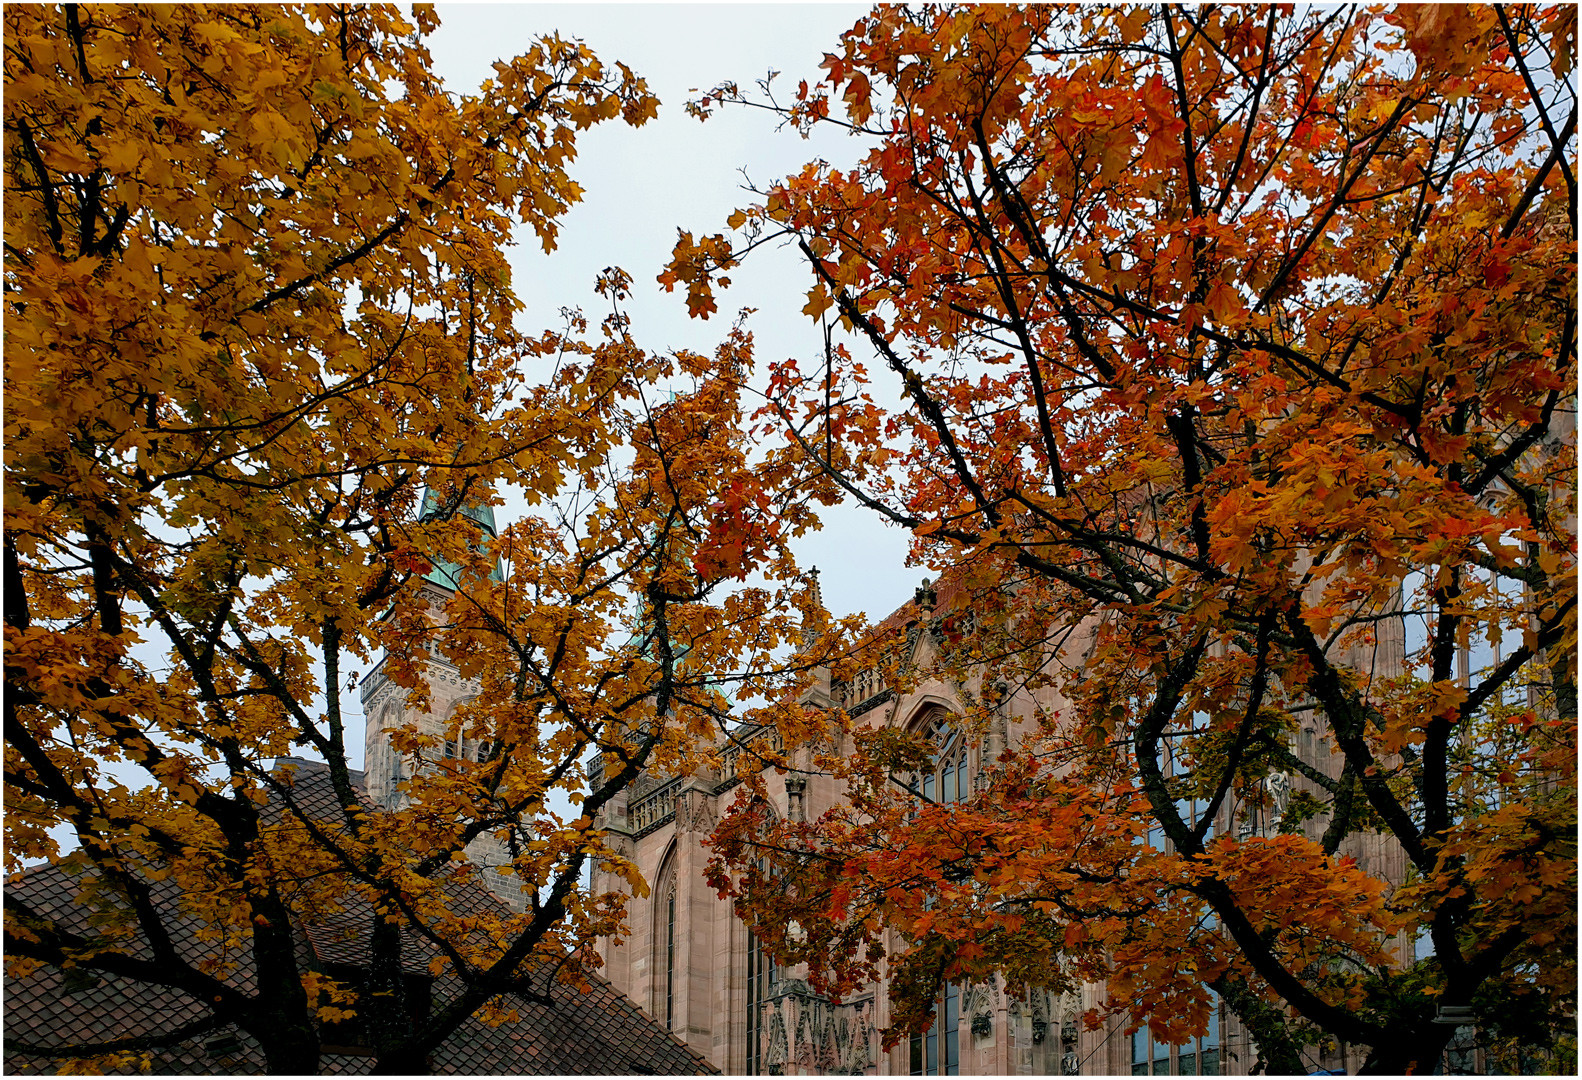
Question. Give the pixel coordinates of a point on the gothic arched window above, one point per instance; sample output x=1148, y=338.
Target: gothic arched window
x=762, y=973
x=1197, y=1057
x=461, y=747
x=937, y=1052
x=665, y=947
x=464, y=748
x=946, y=780
x=390, y=764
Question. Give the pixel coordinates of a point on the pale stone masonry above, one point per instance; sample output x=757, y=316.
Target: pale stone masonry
x=699, y=987
x=687, y=960
x=701, y=990
x=385, y=710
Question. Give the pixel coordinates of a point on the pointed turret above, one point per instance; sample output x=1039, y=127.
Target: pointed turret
x=448, y=574
x=808, y=636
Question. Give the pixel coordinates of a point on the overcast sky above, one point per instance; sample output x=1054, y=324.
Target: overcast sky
x=641, y=185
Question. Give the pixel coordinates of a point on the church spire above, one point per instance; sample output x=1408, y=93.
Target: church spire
x=445, y=573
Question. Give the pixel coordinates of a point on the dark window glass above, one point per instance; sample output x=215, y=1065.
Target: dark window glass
x=760, y=973
x=951, y=1063
x=1194, y=1058
x=946, y=781
x=950, y=760
x=670, y=960
x=751, y=1068
x=937, y=1052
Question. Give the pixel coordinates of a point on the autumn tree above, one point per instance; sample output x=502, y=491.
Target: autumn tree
x=256, y=305
x=1236, y=352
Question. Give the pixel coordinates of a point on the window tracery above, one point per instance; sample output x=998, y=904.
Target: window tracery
x=762, y=974
x=665, y=948
x=1196, y=1057
x=460, y=747
x=946, y=781
x=937, y=1052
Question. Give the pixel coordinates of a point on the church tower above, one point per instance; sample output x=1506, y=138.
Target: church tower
x=385, y=710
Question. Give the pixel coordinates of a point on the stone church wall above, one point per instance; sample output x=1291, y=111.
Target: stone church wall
x=1038, y=1034
x=665, y=822
x=700, y=991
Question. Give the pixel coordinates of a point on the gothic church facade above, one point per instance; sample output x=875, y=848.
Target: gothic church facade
x=694, y=968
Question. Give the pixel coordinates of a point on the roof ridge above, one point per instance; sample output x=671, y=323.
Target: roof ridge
x=292, y=763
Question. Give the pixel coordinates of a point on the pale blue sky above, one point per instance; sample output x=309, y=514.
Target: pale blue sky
x=641, y=185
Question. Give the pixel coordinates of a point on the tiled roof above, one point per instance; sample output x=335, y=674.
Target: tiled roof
x=949, y=594
x=597, y=1031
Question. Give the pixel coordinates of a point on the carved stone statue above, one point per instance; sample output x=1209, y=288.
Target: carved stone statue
x=1279, y=788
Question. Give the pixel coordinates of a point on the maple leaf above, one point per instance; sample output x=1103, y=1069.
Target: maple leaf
x=263, y=393
x=1227, y=396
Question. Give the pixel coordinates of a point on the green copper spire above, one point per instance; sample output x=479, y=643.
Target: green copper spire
x=448, y=574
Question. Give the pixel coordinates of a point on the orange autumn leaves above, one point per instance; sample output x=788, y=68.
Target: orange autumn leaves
x=1239, y=348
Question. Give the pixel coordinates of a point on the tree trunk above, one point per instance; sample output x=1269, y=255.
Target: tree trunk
x=1417, y=1051
x=285, y=1024
x=291, y=1049
x=386, y=1014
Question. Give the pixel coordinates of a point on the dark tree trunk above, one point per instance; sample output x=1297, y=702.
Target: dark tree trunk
x=292, y=1049
x=400, y=1064
x=1417, y=1051
x=387, y=1015
x=285, y=1023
